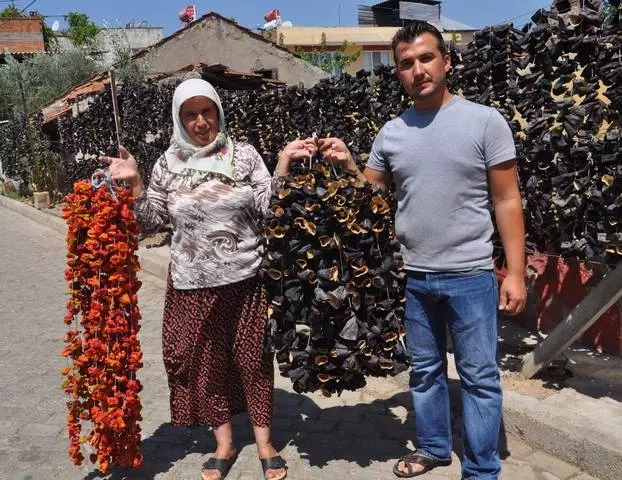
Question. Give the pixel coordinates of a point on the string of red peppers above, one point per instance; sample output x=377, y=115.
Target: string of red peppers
x=102, y=347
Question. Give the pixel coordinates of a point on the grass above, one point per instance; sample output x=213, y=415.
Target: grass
x=13, y=195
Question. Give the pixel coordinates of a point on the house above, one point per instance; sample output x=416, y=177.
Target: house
x=372, y=37
x=214, y=39
x=110, y=42
x=20, y=36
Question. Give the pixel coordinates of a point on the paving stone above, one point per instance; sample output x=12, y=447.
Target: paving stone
x=583, y=476
x=372, y=404
x=344, y=414
x=290, y=413
x=517, y=469
x=548, y=463
x=399, y=412
x=326, y=402
x=282, y=423
x=41, y=430
x=9, y=427
x=315, y=426
x=358, y=429
x=517, y=448
x=546, y=476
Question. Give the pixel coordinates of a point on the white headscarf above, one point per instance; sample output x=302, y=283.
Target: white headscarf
x=183, y=153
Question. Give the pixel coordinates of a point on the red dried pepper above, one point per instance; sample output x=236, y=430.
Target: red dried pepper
x=102, y=346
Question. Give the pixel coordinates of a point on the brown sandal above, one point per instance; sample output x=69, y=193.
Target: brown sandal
x=414, y=458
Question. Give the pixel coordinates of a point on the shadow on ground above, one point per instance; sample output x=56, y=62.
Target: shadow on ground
x=361, y=434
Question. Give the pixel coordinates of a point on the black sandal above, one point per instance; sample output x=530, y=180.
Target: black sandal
x=414, y=458
x=223, y=465
x=273, y=463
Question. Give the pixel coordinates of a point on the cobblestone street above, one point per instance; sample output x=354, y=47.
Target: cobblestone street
x=358, y=435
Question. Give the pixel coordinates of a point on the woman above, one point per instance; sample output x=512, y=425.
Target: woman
x=212, y=190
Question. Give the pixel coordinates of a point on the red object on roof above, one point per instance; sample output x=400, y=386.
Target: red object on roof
x=271, y=15
x=188, y=14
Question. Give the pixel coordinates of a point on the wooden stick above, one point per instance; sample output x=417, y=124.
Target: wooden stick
x=596, y=302
x=115, y=107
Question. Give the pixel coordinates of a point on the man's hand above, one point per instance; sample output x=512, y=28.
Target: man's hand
x=335, y=150
x=513, y=294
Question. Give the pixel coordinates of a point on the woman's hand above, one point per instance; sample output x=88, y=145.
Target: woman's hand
x=296, y=150
x=125, y=169
x=122, y=168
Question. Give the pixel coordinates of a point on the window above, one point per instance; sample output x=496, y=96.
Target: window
x=271, y=73
x=372, y=60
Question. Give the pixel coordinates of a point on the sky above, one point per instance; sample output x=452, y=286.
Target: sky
x=164, y=13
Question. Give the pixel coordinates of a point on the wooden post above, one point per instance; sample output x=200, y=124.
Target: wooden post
x=583, y=316
x=115, y=106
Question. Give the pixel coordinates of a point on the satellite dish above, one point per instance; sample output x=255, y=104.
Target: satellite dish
x=55, y=26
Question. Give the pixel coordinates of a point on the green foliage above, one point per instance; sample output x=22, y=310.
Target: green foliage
x=11, y=194
x=49, y=38
x=10, y=12
x=333, y=62
x=126, y=69
x=11, y=74
x=43, y=77
x=43, y=166
x=27, y=155
x=81, y=30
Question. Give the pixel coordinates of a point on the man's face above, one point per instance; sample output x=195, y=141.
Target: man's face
x=421, y=68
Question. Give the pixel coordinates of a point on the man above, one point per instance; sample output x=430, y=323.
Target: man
x=448, y=157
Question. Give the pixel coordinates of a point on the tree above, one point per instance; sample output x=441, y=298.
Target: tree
x=333, y=62
x=127, y=69
x=11, y=12
x=49, y=39
x=42, y=77
x=81, y=31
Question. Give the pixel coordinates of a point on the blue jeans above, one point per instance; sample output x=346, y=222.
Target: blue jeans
x=467, y=303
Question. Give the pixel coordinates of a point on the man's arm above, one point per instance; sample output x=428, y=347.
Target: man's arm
x=508, y=207
x=378, y=178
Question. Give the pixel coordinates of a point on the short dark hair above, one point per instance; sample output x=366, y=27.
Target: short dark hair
x=412, y=30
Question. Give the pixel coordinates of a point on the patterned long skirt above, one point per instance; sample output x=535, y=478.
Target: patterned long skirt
x=214, y=353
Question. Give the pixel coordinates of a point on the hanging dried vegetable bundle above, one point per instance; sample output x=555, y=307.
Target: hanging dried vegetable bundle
x=335, y=280
x=102, y=346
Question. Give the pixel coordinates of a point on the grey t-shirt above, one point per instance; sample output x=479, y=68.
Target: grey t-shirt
x=439, y=160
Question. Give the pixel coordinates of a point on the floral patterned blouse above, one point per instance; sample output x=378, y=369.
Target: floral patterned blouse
x=216, y=240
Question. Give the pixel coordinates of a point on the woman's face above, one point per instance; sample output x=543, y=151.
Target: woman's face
x=199, y=116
